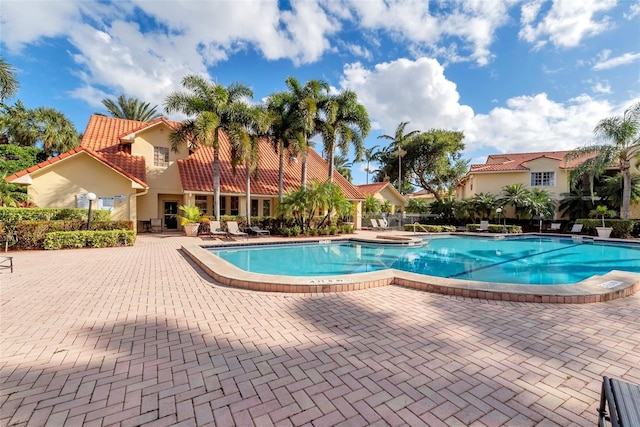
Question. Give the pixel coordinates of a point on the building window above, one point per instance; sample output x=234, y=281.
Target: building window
x=161, y=156
x=254, y=207
x=266, y=208
x=235, y=206
x=201, y=203
x=542, y=179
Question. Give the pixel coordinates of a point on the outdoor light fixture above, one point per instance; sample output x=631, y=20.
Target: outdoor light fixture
x=90, y=197
x=499, y=211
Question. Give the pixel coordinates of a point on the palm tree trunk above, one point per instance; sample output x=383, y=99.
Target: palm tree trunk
x=281, y=173
x=330, y=158
x=216, y=183
x=303, y=178
x=248, y=194
x=626, y=192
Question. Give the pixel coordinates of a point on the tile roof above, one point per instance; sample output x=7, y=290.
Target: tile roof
x=103, y=138
x=517, y=162
x=111, y=160
x=372, y=188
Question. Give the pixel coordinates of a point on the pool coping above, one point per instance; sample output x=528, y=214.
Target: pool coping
x=613, y=285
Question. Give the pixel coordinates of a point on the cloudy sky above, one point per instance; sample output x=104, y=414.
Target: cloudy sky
x=515, y=76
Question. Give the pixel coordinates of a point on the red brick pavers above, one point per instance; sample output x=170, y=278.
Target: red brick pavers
x=140, y=336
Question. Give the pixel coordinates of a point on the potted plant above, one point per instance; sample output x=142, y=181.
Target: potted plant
x=190, y=219
x=602, y=211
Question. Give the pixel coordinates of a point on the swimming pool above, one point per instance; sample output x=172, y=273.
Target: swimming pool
x=517, y=260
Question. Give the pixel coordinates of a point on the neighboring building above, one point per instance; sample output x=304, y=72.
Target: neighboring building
x=384, y=191
x=544, y=170
x=130, y=166
x=422, y=194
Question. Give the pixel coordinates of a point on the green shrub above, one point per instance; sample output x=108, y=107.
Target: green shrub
x=333, y=230
x=496, y=228
x=90, y=239
x=32, y=234
x=621, y=228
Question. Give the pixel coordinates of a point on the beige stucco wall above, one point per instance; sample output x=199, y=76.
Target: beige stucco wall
x=77, y=175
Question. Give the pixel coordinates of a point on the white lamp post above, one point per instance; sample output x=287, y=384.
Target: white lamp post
x=499, y=211
x=90, y=197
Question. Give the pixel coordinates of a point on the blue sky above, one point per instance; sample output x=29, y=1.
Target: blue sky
x=515, y=76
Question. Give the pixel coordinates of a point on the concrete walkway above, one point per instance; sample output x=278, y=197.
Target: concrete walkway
x=140, y=336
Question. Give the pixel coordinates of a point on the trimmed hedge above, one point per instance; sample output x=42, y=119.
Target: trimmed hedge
x=32, y=234
x=497, y=228
x=89, y=239
x=621, y=228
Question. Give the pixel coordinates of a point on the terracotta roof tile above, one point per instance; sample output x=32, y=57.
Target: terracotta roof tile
x=517, y=162
x=102, y=158
x=372, y=188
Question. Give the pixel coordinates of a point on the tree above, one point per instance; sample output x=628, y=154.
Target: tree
x=279, y=107
x=345, y=123
x=8, y=82
x=131, y=109
x=371, y=154
x=214, y=109
x=306, y=104
x=612, y=188
x=539, y=205
x=620, y=144
x=484, y=204
x=446, y=207
x=371, y=205
x=12, y=195
x=343, y=166
x=575, y=204
x=252, y=125
x=434, y=161
x=43, y=127
x=399, y=140
x=417, y=206
x=515, y=195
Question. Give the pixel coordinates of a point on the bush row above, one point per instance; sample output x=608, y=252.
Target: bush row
x=89, y=239
x=430, y=228
x=32, y=234
x=621, y=228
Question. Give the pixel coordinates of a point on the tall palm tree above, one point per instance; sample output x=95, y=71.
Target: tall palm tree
x=8, y=82
x=307, y=102
x=214, y=109
x=539, y=205
x=621, y=144
x=343, y=166
x=611, y=190
x=252, y=125
x=575, y=204
x=131, y=109
x=371, y=154
x=279, y=106
x=399, y=141
x=345, y=123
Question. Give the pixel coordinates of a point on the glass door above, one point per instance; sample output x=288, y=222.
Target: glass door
x=170, y=212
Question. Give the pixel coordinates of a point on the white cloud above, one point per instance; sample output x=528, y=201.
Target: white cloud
x=601, y=87
x=634, y=10
x=566, y=23
x=605, y=63
x=418, y=92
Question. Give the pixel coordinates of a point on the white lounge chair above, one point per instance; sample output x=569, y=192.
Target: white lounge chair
x=259, y=231
x=234, y=231
x=555, y=226
x=215, y=229
x=484, y=226
x=374, y=224
x=576, y=229
x=382, y=224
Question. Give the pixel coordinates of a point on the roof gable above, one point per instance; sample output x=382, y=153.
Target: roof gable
x=518, y=162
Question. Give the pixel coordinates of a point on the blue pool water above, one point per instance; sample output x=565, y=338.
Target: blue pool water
x=522, y=260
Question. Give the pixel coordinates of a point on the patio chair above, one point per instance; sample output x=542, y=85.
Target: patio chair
x=234, y=231
x=155, y=225
x=6, y=262
x=576, y=229
x=484, y=226
x=259, y=231
x=374, y=224
x=382, y=225
x=215, y=229
x=555, y=226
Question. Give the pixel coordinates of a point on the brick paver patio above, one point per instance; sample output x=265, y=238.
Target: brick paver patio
x=139, y=336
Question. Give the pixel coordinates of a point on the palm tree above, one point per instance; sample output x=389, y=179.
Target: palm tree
x=279, y=107
x=131, y=109
x=12, y=195
x=8, y=82
x=611, y=190
x=399, y=141
x=539, y=205
x=253, y=124
x=371, y=154
x=343, y=166
x=484, y=204
x=575, y=204
x=215, y=109
x=307, y=102
x=345, y=122
x=621, y=145
x=515, y=195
